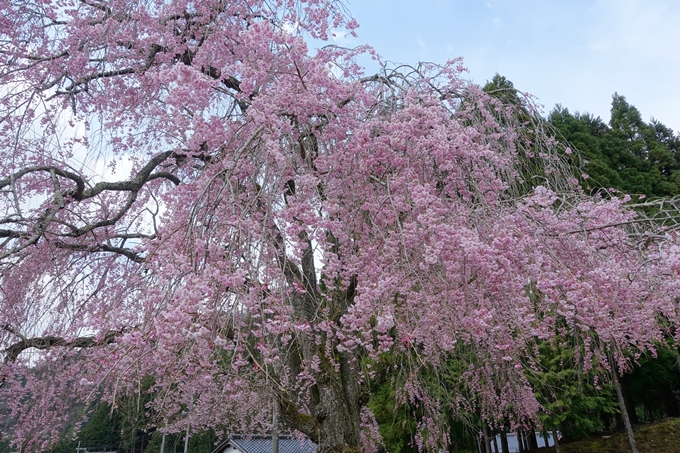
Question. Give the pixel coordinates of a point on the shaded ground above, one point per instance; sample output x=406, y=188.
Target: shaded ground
x=658, y=437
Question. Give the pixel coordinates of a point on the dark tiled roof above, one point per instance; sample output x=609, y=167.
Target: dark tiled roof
x=263, y=444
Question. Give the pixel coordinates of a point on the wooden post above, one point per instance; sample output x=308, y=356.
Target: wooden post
x=532, y=442
x=275, y=429
x=555, y=440
x=520, y=441
x=546, y=439
x=505, y=448
x=487, y=444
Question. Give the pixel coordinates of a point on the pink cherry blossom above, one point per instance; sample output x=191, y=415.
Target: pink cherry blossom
x=190, y=193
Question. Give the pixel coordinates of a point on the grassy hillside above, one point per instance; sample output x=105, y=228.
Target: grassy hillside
x=658, y=437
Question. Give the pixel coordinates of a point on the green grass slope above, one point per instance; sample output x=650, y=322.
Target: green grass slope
x=658, y=437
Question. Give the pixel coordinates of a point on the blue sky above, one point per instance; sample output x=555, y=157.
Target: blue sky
x=576, y=52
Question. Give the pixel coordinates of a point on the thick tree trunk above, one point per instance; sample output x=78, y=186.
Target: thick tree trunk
x=334, y=422
x=624, y=414
x=333, y=419
x=339, y=411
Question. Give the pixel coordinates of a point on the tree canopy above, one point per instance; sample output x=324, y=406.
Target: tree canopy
x=190, y=194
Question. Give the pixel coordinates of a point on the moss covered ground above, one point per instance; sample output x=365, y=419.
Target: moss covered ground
x=658, y=437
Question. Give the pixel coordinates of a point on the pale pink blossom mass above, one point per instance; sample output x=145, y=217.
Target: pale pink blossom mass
x=279, y=221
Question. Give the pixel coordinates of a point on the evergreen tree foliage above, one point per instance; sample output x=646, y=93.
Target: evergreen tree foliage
x=654, y=386
x=571, y=398
x=503, y=89
x=586, y=134
x=397, y=424
x=628, y=154
x=103, y=431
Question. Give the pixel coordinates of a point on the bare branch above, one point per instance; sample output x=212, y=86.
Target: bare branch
x=80, y=193
x=11, y=180
x=101, y=248
x=12, y=234
x=49, y=341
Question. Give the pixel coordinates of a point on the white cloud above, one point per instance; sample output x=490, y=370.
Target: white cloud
x=342, y=38
x=600, y=46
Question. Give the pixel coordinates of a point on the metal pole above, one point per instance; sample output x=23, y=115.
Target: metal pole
x=186, y=441
x=624, y=412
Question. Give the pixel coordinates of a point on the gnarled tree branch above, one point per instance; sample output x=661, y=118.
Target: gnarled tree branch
x=49, y=341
